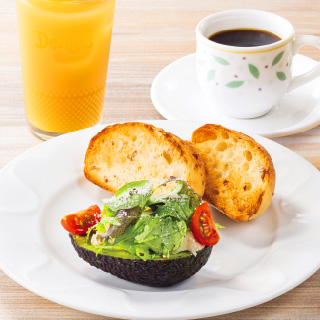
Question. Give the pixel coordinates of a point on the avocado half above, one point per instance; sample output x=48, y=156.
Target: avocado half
x=157, y=272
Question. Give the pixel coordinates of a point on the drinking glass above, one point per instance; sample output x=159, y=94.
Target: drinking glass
x=64, y=48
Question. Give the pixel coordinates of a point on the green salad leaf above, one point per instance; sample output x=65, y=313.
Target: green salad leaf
x=107, y=212
x=163, y=235
x=127, y=242
x=149, y=236
x=130, y=195
x=125, y=217
x=183, y=188
x=113, y=221
x=173, y=205
x=179, y=203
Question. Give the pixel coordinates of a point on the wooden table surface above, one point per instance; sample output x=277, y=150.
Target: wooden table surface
x=147, y=36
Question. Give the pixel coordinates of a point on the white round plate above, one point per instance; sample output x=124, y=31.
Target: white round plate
x=253, y=263
x=177, y=95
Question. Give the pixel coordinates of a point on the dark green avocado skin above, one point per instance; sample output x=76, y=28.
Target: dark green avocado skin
x=154, y=273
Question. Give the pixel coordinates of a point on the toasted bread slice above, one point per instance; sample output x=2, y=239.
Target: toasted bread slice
x=240, y=172
x=136, y=151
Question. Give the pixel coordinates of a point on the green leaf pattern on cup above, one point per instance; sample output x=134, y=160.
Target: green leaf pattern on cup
x=277, y=58
x=235, y=84
x=210, y=75
x=254, y=70
x=221, y=60
x=281, y=76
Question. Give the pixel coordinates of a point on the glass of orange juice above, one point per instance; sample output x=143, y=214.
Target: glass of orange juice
x=64, y=58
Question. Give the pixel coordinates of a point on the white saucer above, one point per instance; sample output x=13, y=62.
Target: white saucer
x=177, y=95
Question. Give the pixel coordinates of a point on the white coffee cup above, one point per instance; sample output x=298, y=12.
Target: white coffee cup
x=246, y=82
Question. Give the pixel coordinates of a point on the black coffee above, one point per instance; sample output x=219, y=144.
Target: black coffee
x=244, y=37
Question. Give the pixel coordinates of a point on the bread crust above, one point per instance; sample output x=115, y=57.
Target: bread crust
x=131, y=151
x=240, y=172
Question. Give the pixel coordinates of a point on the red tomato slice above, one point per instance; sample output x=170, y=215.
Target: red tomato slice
x=203, y=226
x=80, y=222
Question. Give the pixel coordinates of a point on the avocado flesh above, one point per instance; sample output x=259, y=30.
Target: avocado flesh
x=119, y=253
x=157, y=272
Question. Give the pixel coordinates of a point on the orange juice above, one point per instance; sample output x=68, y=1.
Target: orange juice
x=64, y=57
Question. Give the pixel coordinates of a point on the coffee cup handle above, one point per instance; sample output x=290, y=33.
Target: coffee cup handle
x=310, y=75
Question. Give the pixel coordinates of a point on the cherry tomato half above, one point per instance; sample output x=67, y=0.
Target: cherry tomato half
x=80, y=222
x=203, y=226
